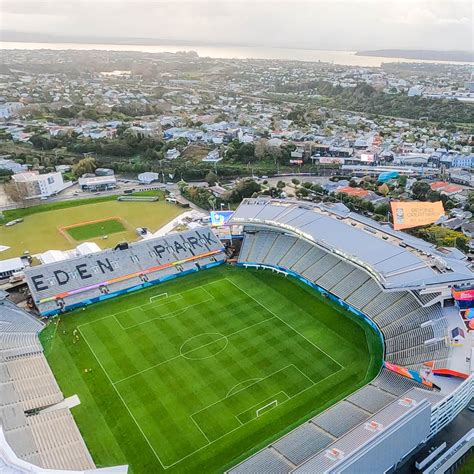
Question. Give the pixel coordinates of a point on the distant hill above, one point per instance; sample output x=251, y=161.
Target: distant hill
x=431, y=55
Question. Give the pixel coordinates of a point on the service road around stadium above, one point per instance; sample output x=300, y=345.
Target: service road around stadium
x=185, y=355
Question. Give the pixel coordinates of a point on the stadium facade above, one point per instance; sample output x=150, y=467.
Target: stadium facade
x=400, y=285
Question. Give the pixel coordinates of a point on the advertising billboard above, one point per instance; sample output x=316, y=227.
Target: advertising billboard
x=328, y=160
x=408, y=373
x=367, y=157
x=415, y=213
x=220, y=218
x=463, y=295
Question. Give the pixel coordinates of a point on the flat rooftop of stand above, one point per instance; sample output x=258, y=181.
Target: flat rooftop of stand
x=397, y=260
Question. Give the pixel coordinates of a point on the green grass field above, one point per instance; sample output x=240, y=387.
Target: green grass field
x=40, y=230
x=198, y=373
x=93, y=230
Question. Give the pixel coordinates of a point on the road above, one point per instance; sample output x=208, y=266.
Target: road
x=75, y=193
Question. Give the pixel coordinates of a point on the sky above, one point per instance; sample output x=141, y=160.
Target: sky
x=319, y=24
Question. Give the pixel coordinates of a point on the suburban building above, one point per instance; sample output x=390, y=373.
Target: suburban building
x=213, y=156
x=10, y=266
x=172, y=154
x=10, y=109
x=148, y=177
x=13, y=166
x=31, y=185
x=97, y=183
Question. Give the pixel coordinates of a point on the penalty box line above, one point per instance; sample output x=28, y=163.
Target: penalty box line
x=158, y=304
x=209, y=443
x=114, y=384
x=287, y=324
x=313, y=383
x=178, y=296
x=170, y=315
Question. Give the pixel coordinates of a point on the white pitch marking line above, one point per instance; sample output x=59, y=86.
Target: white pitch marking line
x=189, y=352
x=123, y=401
x=173, y=358
x=238, y=427
x=284, y=322
x=145, y=304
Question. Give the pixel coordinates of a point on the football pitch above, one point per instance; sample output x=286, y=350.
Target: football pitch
x=199, y=372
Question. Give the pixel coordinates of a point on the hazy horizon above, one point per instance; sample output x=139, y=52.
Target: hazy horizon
x=316, y=24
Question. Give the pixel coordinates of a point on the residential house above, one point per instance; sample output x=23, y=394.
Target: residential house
x=172, y=154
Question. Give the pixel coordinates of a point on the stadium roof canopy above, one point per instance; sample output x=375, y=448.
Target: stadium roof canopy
x=396, y=259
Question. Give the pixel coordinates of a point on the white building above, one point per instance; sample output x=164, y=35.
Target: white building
x=148, y=177
x=213, y=156
x=172, y=154
x=10, y=266
x=10, y=109
x=415, y=91
x=31, y=185
x=97, y=183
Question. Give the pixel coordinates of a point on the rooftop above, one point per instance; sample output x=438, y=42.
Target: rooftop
x=397, y=260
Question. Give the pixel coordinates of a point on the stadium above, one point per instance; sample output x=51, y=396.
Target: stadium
x=312, y=340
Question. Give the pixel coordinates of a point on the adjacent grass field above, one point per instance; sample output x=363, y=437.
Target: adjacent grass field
x=40, y=231
x=196, y=374
x=92, y=230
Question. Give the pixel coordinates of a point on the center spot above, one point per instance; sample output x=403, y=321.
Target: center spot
x=204, y=346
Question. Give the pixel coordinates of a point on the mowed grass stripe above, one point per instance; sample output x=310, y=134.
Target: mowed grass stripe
x=164, y=389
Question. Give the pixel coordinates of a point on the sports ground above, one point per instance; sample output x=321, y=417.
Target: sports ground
x=43, y=230
x=93, y=229
x=200, y=372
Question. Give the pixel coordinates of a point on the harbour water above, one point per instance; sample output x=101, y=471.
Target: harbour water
x=345, y=58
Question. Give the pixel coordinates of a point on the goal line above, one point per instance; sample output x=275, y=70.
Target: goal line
x=157, y=297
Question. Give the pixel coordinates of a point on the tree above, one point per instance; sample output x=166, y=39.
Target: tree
x=444, y=237
x=317, y=188
x=402, y=181
x=261, y=149
x=302, y=192
x=84, y=166
x=244, y=189
x=420, y=190
x=280, y=185
x=382, y=209
x=295, y=181
x=211, y=178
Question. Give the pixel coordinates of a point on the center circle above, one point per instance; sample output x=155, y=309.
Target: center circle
x=203, y=346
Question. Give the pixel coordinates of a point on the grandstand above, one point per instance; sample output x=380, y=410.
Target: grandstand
x=37, y=430
x=86, y=279
x=394, y=281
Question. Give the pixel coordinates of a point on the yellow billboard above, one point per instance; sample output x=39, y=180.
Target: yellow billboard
x=415, y=213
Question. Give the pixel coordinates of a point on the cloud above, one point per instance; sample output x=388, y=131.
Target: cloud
x=325, y=24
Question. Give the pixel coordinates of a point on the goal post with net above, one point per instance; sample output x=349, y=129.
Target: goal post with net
x=161, y=296
x=266, y=407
